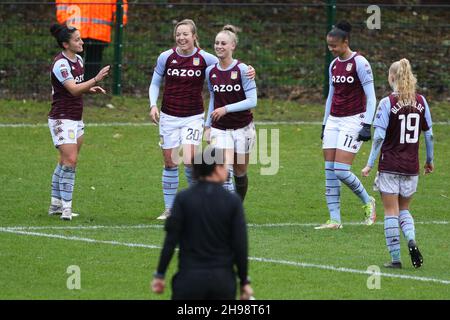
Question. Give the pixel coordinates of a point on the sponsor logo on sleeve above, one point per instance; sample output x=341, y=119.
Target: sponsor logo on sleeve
x=64, y=73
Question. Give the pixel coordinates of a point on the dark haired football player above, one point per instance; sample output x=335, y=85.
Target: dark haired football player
x=349, y=112
x=65, y=117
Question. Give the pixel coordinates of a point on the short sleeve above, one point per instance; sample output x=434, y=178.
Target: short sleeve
x=61, y=70
x=207, y=72
x=364, y=70
x=209, y=58
x=246, y=82
x=161, y=62
x=382, y=115
x=428, y=123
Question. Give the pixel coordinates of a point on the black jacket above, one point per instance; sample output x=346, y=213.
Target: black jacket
x=208, y=224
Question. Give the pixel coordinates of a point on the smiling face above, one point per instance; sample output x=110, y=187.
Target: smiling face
x=185, y=38
x=224, y=45
x=337, y=46
x=75, y=43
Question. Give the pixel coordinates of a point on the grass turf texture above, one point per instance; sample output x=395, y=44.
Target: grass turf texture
x=118, y=183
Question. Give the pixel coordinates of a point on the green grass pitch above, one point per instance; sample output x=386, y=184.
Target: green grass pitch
x=118, y=187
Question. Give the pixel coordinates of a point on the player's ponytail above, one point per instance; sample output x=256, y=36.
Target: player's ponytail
x=341, y=31
x=62, y=33
x=191, y=24
x=403, y=80
x=231, y=31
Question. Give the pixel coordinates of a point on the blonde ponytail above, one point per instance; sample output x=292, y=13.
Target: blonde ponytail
x=403, y=80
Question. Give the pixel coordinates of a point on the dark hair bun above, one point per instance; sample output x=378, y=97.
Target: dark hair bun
x=55, y=29
x=344, y=25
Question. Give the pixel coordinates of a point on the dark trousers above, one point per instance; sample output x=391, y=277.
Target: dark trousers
x=204, y=284
x=93, y=53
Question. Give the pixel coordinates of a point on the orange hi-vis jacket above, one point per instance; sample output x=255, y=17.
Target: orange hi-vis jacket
x=94, y=18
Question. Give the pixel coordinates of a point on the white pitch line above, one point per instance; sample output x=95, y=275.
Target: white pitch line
x=73, y=238
x=348, y=270
x=146, y=124
x=160, y=226
x=266, y=260
x=138, y=226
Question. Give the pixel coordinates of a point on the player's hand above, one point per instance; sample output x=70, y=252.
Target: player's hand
x=154, y=114
x=207, y=134
x=102, y=73
x=218, y=113
x=251, y=73
x=364, y=133
x=323, y=129
x=365, y=172
x=246, y=292
x=429, y=167
x=97, y=89
x=158, y=285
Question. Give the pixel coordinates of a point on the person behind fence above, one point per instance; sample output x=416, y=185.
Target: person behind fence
x=65, y=117
x=182, y=112
x=400, y=119
x=229, y=124
x=349, y=112
x=95, y=20
x=208, y=224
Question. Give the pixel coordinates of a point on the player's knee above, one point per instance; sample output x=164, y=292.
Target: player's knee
x=240, y=170
x=70, y=161
x=341, y=175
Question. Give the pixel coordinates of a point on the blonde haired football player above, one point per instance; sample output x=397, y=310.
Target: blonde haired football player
x=400, y=119
x=229, y=123
x=182, y=114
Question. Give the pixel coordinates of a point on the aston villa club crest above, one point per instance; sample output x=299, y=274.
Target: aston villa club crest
x=234, y=75
x=196, y=61
x=349, y=67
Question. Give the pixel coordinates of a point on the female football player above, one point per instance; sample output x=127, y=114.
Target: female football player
x=65, y=117
x=348, y=117
x=182, y=113
x=399, y=121
x=229, y=123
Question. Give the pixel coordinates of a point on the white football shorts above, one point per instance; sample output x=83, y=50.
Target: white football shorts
x=65, y=131
x=240, y=140
x=342, y=133
x=392, y=183
x=175, y=131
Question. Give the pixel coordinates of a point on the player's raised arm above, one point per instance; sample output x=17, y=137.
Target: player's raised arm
x=77, y=89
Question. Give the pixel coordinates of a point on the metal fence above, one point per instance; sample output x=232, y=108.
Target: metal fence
x=285, y=42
